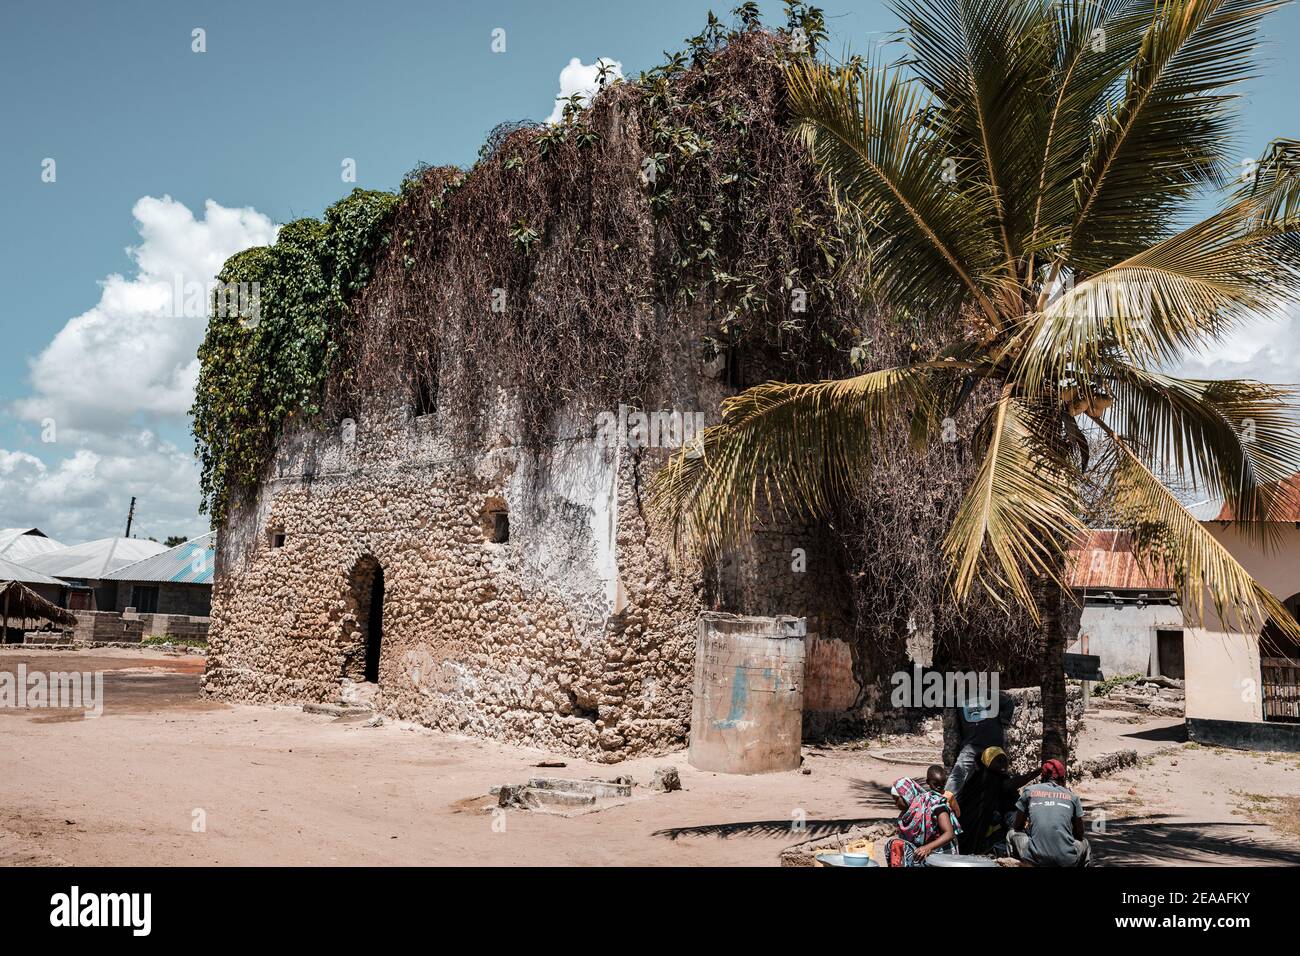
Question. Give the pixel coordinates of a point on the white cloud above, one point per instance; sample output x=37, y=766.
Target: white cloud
x=118, y=374
x=133, y=354
x=1267, y=350
x=582, y=79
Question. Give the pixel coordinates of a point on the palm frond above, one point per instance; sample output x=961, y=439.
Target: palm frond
x=1274, y=187
x=1170, y=134
x=1096, y=42
x=868, y=131
x=1177, y=296
x=1235, y=439
x=984, y=63
x=1165, y=531
x=1021, y=512
x=792, y=449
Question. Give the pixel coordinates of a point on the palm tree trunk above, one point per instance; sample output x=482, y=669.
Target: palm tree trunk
x=1056, y=737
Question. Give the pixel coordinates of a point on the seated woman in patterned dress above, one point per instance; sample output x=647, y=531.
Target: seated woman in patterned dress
x=926, y=823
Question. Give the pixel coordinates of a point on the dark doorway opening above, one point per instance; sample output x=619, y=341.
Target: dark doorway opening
x=144, y=599
x=375, y=626
x=1169, y=654
x=363, y=623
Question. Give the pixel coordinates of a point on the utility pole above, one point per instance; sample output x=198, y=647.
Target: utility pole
x=130, y=516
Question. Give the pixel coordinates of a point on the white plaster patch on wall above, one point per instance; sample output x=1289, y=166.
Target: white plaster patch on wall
x=604, y=531
x=585, y=476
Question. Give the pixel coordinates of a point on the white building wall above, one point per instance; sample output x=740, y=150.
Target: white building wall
x=1124, y=637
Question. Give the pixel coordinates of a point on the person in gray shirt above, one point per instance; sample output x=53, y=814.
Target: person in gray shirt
x=1054, y=815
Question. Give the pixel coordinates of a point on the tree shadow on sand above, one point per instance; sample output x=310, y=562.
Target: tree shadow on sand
x=1128, y=841
x=1147, y=841
x=874, y=797
x=1173, y=733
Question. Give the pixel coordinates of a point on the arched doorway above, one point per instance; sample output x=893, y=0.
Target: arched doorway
x=363, y=631
x=375, y=626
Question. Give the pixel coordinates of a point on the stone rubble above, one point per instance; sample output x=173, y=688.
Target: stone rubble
x=1161, y=696
x=666, y=780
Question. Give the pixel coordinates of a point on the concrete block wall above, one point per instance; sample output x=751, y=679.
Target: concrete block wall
x=171, y=625
x=100, y=627
x=106, y=626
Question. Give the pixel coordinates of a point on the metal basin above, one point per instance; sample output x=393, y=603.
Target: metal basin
x=945, y=859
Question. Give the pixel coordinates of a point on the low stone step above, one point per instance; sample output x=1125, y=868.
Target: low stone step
x=596, y=788
x=545, y=797
x=338, y=710
x=540, y=798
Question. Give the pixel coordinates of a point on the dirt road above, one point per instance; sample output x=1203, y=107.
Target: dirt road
x=277, y=786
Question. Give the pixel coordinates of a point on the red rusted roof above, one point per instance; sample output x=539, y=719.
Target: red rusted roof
x=1283, y=506
x=1104, y=560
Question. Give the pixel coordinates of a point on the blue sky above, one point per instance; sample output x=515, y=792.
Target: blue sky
x=260, y=122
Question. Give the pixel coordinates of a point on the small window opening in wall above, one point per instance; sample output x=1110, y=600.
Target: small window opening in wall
x=277, y=538
x=496, y=521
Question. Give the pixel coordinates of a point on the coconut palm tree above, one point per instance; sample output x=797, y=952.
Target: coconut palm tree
x=1032, y=168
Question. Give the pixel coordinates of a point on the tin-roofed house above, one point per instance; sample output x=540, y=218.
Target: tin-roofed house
x=1128, y=612
x=170, y=592
x=175, y=581
x=85, y=568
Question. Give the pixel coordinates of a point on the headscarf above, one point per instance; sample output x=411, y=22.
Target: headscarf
x=991, y=754
x=1053, y=770
x=916, y=824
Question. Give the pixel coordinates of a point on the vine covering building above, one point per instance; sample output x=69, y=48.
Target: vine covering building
x=432, y=514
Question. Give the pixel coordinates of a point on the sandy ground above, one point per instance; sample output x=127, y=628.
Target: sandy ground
x=277, y=786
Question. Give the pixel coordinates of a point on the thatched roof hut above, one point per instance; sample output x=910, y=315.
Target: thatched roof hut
x=20, y=602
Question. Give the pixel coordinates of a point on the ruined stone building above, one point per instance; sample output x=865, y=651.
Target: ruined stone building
x=495, y=593
x=473, y=580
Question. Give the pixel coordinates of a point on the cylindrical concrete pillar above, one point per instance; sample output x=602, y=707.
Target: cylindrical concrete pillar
x=747, y=707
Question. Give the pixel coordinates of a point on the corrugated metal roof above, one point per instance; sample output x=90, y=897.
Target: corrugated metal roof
x=1284, y=506
x=1207, y=510
x=188, y=563
x=93, y=560
x=13, y=571
x=23, y=544
x=1104, y=560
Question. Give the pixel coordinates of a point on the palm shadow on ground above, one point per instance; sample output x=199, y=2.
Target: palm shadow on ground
x=1173, y=733
x=874, y=797
x=1145, y=841
x=1128, y=841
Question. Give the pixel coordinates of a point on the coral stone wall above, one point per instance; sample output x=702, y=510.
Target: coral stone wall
x=576, y=634
x=573, y=634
